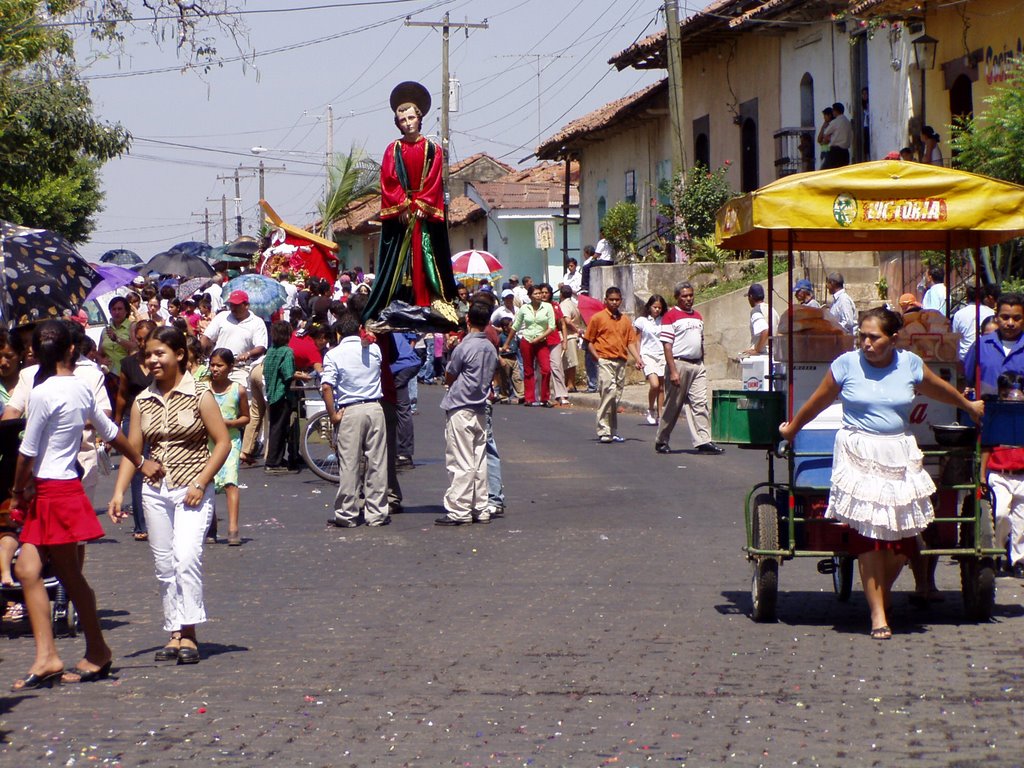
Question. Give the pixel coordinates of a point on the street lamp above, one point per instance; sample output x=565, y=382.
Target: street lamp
x=925, y=48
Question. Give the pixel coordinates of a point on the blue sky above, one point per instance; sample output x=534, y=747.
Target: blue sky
x=191, y=128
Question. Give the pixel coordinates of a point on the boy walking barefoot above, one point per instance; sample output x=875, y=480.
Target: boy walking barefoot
x=468, y=377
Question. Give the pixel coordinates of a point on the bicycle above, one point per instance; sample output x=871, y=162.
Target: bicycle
x=318, y=444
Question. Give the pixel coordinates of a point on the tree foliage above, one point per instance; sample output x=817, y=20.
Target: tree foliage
x=696, y=196
x=352, y=176
x=993, y=143
x=51, y=144
x=619, y=227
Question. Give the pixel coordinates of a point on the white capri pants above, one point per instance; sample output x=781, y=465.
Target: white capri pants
x=176, y=535
x=1009, y=511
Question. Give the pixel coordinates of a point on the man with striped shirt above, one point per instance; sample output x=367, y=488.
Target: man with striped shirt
x=682, y=334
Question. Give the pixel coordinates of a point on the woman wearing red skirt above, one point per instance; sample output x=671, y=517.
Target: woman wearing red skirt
x=59, y=514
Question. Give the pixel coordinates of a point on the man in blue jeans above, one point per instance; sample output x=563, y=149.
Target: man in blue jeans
x=404, y=370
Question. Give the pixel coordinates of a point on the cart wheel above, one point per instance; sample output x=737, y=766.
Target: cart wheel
x=842, y=577
x=764, y=584
x=978, y=574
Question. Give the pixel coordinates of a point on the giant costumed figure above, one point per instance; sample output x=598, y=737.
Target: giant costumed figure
x=414, y=263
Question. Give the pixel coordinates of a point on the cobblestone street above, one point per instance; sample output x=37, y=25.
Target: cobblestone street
x=603, y=621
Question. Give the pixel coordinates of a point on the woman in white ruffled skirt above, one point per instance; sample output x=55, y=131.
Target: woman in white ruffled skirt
x=879, y=485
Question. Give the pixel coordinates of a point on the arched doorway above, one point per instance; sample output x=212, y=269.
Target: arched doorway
x=807, y=101
x=748, y=156
x=961, y=97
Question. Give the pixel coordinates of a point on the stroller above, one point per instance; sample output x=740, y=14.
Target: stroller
x=62, y=612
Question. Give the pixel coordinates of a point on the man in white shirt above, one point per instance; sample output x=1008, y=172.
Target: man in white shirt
x=352, y=391
x=290, y=289
x=603, y=251
x=521, y=293
x=935, y=295
x=572, y=277
x=843, y=309
x=245, y=335
x=507, y=308
x=760, y=327
x=838, y=134
x=980, y=306
x=215, y=293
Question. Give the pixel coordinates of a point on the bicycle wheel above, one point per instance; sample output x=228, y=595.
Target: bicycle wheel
x=318, y=448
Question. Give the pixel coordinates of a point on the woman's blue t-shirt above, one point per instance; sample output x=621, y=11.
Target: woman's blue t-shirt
x=877, y=399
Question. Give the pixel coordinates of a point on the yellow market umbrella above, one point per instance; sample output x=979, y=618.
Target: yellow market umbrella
x=883, y=205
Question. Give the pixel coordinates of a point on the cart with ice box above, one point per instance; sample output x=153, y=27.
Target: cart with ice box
x=883, y=206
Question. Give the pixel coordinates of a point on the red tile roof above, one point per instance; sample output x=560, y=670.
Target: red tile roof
x=607, y=116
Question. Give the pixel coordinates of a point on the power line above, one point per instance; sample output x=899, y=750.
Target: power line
x=269, y=52
x=214, y=14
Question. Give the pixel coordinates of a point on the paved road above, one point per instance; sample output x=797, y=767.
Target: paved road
x=602, y=622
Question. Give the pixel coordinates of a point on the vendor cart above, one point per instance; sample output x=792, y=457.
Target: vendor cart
x=881, y=206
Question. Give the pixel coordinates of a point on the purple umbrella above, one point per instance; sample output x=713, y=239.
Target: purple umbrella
x=113, y=277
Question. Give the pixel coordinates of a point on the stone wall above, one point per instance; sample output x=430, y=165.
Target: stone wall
x=726, y=318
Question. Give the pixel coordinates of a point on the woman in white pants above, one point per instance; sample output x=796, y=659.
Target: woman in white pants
x=182, y=425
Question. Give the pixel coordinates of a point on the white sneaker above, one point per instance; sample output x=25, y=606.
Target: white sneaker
x=650, y=418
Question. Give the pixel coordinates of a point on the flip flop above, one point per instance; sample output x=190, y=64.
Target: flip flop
x=881, y=633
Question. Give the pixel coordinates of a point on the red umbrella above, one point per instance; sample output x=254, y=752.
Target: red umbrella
x=475, y=263
x=589, y=306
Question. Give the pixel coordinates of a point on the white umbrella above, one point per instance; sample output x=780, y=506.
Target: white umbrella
x=475, y=263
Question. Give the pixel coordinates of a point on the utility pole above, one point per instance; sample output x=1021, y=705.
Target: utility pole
x=238, y=203
x=261, y=172
x=330, y=151
x=675, y=87
x=206, y=223
x=446, y=27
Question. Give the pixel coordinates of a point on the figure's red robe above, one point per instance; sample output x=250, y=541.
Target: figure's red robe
x=425, y=193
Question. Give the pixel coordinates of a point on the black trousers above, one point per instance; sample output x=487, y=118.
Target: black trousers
x=283, y=434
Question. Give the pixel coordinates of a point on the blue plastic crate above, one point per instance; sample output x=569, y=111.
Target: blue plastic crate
x=813, y=471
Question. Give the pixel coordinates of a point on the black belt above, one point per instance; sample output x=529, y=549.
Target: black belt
x=690, y=359
x=358, y=402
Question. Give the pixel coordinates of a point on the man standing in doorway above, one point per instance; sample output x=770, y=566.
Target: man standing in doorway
x=682, y=334
x=838, y=134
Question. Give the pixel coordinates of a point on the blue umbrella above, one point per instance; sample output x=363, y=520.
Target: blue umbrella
x=266, y=295
x=113, y=277
x=121, y=257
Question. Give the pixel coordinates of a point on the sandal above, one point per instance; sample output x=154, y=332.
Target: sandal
x=79, y=675
x=14, y=612
x=234, y=539
x=33, y=681
x=188, y=654
x=170, y=651
x=141, y=536
x=881, y=633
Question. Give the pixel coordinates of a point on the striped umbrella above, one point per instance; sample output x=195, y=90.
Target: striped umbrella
x=475, y=264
